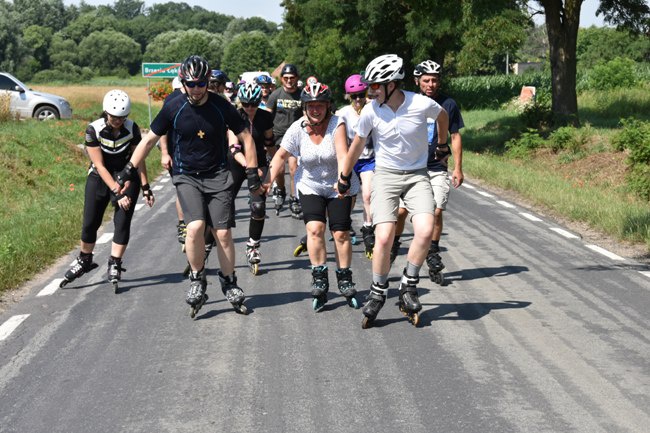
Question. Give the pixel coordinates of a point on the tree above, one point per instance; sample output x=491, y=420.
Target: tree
x=562, y=21
x=88, y=23
x=249, y=51
x=601, y=44
x=37, y=40
x=176, y=46
x=46, y=13
x=110, y=52
x=128, y=9
x=11, y=48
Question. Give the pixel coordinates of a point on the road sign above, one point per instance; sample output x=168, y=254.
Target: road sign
x=160, y=70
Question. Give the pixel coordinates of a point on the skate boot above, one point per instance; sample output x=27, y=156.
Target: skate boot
x=375, y=301
x=346, y=286
x=301, y=248
x=83, y=264
x=409, y=303
x=253, y=256
x=354, y=240
x=434, y=262
x=181, y=233
x=279, y=197
x=196, y=295
x=319, y=286
x=394, y=250
x=114, y=273
x=295, y=207
x=368, y=233
x=234, y=294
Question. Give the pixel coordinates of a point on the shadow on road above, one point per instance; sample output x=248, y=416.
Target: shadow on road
x=465, y=311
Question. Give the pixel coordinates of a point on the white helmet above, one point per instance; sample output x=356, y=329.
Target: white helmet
x=428, y=67
x=176, y=83
x=117, y=103
x=384, y=69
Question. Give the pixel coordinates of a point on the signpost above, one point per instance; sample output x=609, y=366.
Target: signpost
x=158, y=70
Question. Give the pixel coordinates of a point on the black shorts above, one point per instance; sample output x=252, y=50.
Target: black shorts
x=337, y=210
x=205, y=197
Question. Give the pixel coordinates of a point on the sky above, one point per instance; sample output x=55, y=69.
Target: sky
x=272, y=11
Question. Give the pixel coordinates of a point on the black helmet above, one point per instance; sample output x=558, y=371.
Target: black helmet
x=289, y=69
x=194, y=68
x=315, y=91
x=218, y=76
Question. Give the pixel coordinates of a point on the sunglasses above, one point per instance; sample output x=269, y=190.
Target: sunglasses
x=287, y=78
x=375, y=86
x=361, y=95
x=193, y=84
x=248, y=105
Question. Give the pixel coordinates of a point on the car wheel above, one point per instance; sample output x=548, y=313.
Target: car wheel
x=46, y=112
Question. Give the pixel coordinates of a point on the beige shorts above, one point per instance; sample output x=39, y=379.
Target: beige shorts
x=389, y=186
x=441, y=186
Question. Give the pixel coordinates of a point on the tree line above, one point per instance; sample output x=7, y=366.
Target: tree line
x=42, y=40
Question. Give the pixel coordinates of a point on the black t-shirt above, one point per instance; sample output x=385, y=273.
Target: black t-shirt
x=115, y=151
x=286, y=109
x=439, y=154
x=262, y=122
x=198, y=133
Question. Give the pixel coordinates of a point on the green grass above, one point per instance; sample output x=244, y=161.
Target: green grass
x=42, y=179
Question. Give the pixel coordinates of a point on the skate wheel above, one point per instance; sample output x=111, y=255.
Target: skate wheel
x=116, y=288
x=254, y=267
x=63, y=283
x=366, y=323
x=242, y=309
x=315, y=304
x=299, y=249
x=183, y=248
x=439, y=278
x=415, y=319
x=353, y=303
x=369, y=255
x=193, y=312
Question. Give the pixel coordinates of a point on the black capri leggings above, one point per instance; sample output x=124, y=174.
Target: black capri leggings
x=96, y=199
x=337, y=210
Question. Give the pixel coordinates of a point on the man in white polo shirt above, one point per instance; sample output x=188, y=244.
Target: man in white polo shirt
x=397, y=120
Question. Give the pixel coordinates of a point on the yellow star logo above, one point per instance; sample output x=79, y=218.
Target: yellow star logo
x=201, y=134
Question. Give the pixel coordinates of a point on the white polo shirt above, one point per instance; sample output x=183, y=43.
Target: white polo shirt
x=399, y=137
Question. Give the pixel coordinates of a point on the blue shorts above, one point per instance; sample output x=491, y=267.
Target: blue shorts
x=364, y=165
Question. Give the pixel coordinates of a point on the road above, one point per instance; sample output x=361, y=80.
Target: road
x=535, y=330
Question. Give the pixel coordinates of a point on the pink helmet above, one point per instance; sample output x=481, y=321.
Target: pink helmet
x=354, y=84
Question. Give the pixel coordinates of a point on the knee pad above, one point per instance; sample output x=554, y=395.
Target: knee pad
x=258, y=209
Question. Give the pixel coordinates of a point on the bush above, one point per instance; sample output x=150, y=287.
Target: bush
x=617, y=73
x=538, y=115
x=569, y=138
x=527, y=142
x=159, y=90
x=635, y=138
x=5, y=99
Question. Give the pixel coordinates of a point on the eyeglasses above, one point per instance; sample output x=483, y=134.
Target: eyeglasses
x=375, y=86
x=193, y=84
x=287, y=77
x=248, y=105
x=361, y=95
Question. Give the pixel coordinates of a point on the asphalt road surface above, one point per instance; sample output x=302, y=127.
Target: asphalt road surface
x=535, y=330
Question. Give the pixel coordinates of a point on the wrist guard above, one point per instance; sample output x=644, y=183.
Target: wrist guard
x=253, y=177
x=125, y=175
x=344, y=187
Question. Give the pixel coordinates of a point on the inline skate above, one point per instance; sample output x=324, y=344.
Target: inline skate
x=253, y=256
x=295, y=208
x=181, y=233
x=301, y=248
x=114, y=272
x=409, y=303
x=375, y=301
x=434, y=262
x=279, y=197
x=83, y=264
x=368, y=233
x=196, y=295
x=319, y=286
x=346, y=286
x=208, y=250
x=233, y=293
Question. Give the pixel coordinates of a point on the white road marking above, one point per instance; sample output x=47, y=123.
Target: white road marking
x=564, y=233
x=139, y=206
x=506, y=204
x=165, y=179
x=50, y=288
x=467, y=185
x=10, y=325
x=485, y=194
x=157, y=188
x=646, y=273
x=106, y=237
x=604, y=252
x=530, y=217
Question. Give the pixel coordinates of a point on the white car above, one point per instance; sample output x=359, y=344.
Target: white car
x=25, y=102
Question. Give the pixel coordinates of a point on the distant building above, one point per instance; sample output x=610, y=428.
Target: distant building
x=520, y=68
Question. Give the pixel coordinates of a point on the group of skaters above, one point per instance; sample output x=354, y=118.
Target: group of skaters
x=388, y=144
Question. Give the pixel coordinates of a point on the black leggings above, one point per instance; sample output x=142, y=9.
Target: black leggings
x=97, y=198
